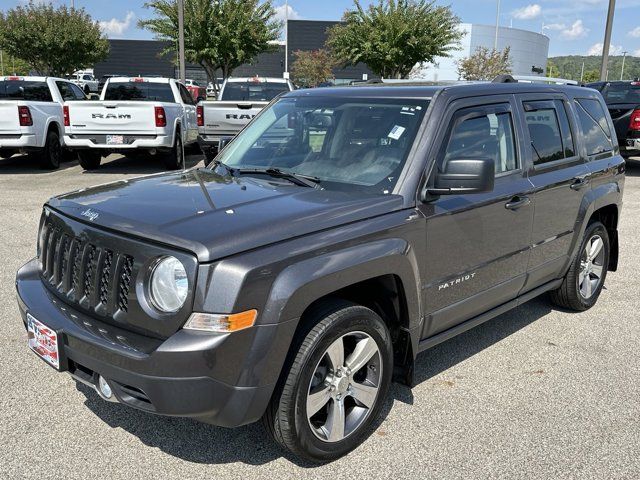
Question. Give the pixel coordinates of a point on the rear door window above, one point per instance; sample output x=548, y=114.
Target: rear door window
x=25, y=90
x=549, y=130
x=140, y=91
x=65, y=91
x=594, y=125
x=79, y=94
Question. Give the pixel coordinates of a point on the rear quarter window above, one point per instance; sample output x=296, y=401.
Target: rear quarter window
x=25, y=90
x=594, y=125
x=140, y=91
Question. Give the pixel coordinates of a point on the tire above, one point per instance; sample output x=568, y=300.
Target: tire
x=52, y=152
x=174, y=159
x=314, y=437
x=7, y=153
x=578, y=291
x=87, y=90
x=88, y=159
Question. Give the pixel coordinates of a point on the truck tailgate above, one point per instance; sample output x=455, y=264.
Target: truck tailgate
x=621, y=116
x=229, y=117
x=129, y=117
x=9, y=122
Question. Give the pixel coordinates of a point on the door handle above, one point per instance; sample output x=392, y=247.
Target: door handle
x=578, y=183
x=517, y=202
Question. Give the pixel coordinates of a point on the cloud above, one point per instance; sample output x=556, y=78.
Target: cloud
x=636, y=53
x=596, y=49
x=115, y=27
x=281, y=13
x=554, y=26
x=575, y=31
x=635, y=33
x=527, y=13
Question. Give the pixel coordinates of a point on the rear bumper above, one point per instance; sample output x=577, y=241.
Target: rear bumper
x=630, y=147
x=19, y=141
x=212, y=140
x=176, y=376
x=98, y=141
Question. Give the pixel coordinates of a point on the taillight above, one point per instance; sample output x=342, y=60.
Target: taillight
x=161, y=119
x=24, y=114
x=200, y=115
x=65, y=114
x=634, y=124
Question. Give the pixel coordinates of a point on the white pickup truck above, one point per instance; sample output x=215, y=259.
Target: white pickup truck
x=156, y=116
x=31, y=116
x=240, y=100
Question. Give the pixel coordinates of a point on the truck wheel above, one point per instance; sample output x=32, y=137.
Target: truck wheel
x=52, y=151
x=583, y=282
x=175, y=158
x=87, y=90
x=6, y=153
x=88, y=159
x=335, y=386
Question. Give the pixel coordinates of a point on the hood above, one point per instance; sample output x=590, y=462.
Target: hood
x=214, y=216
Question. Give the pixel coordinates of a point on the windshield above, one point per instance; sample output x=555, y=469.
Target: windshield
x=345, y=143
x=621, y=93
x=24, y=90
x=144, y=91
x=253, y=91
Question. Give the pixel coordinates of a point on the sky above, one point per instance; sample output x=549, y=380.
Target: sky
x=575, y=27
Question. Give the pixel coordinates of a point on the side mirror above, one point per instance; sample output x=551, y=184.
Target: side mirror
x=464, y=176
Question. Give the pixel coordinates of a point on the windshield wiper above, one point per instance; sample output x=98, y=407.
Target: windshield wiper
x=218, y=163
x=297, y=178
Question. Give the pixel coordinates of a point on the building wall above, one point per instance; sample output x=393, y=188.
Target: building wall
x=136, y=57
x=528, y=49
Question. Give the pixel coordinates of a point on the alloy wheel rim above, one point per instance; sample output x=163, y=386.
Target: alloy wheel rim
x=344, y=387
x=591, y=267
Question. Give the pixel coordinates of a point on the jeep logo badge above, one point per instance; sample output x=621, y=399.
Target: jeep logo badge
x=90, y=214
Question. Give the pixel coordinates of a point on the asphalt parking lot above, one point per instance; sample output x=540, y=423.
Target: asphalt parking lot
x=534, y=393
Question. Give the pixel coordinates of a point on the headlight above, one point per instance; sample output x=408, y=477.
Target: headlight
x=169, y=285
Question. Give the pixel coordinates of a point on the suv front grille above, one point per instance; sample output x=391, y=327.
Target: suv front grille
x=87, y=274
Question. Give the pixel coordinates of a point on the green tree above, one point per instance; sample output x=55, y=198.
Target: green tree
x=52, y=41
x=391, y=36
x=311, y=68
x=485, y=64
x=221, y=34
x=552, y=69
x=12, y=66
x=591, y=76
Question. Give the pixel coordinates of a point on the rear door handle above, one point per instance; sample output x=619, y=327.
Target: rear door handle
x=517, y=202
x=578, y=183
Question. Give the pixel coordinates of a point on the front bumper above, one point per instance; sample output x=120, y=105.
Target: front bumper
x=19, y=141
x=178, y=376
x=98, y=141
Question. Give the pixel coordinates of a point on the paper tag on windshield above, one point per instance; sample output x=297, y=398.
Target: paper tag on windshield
x=396, y=132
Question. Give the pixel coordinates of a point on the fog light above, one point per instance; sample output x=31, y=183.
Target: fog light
x=105, y=389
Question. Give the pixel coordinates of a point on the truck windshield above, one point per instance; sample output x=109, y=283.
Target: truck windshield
x=345, y=143
x=143, y=91
x=253, y=91
x=25, y=90
x=621, y=93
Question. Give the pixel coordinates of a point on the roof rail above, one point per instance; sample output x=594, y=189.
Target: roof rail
x=505, y=78
x=533, y=79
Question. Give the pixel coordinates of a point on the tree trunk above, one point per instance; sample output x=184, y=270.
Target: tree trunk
x=211, y=75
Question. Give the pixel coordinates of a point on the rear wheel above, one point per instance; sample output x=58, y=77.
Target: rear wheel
x=52, y=152
x=88, y=159
x=7, y=152
x=336, y=385
x=583, y=282
x=174, y=159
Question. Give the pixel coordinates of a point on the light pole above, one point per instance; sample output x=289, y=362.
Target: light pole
x=624, y=57
x=183, y=73
x=495, y=41
x=286, y=36
x=607, y=41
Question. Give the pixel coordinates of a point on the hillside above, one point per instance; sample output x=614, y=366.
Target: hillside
x=570, y=66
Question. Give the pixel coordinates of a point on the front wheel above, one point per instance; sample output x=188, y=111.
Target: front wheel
x=6, y=153
x=88, y=159
x=336, y=385
x=583, y=282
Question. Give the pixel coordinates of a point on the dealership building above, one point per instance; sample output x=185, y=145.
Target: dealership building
x=529, y=52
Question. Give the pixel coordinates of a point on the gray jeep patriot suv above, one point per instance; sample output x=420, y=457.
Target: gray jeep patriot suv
x=342, y=232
